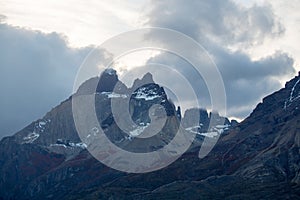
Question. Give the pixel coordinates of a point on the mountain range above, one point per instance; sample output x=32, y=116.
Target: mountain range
x=258, y=158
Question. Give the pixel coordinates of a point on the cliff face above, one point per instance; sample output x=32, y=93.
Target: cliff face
x=258, y=158
x=266, y=144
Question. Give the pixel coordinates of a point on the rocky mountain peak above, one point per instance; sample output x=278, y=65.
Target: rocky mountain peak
x=110, y=72
x=107, y=81
x=146, y=79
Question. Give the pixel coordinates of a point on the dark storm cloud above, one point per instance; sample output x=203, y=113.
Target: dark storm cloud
x=36, y=73
x=247, y=82
x=219, y=20
x=219, y=25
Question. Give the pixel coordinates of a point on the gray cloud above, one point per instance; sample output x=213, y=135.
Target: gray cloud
x=219, y=25
x=221, y=20
x=247, y=81
x=36, y=72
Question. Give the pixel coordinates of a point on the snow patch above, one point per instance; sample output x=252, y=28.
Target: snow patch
x=139, y=130
x=222, y=126
x=193, y=129
x=210, y=134
x=31, y=137
x=70, y=145
x=114, y=95
x=40, y=126
x=58, y=145
x=80, y=145
x=293, y=89
x=214, y=132
x=42, y=123
x=144, y=93
x=146, y=97
x=288, y=102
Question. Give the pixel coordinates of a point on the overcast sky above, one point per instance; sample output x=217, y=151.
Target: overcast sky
x=43, y=43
